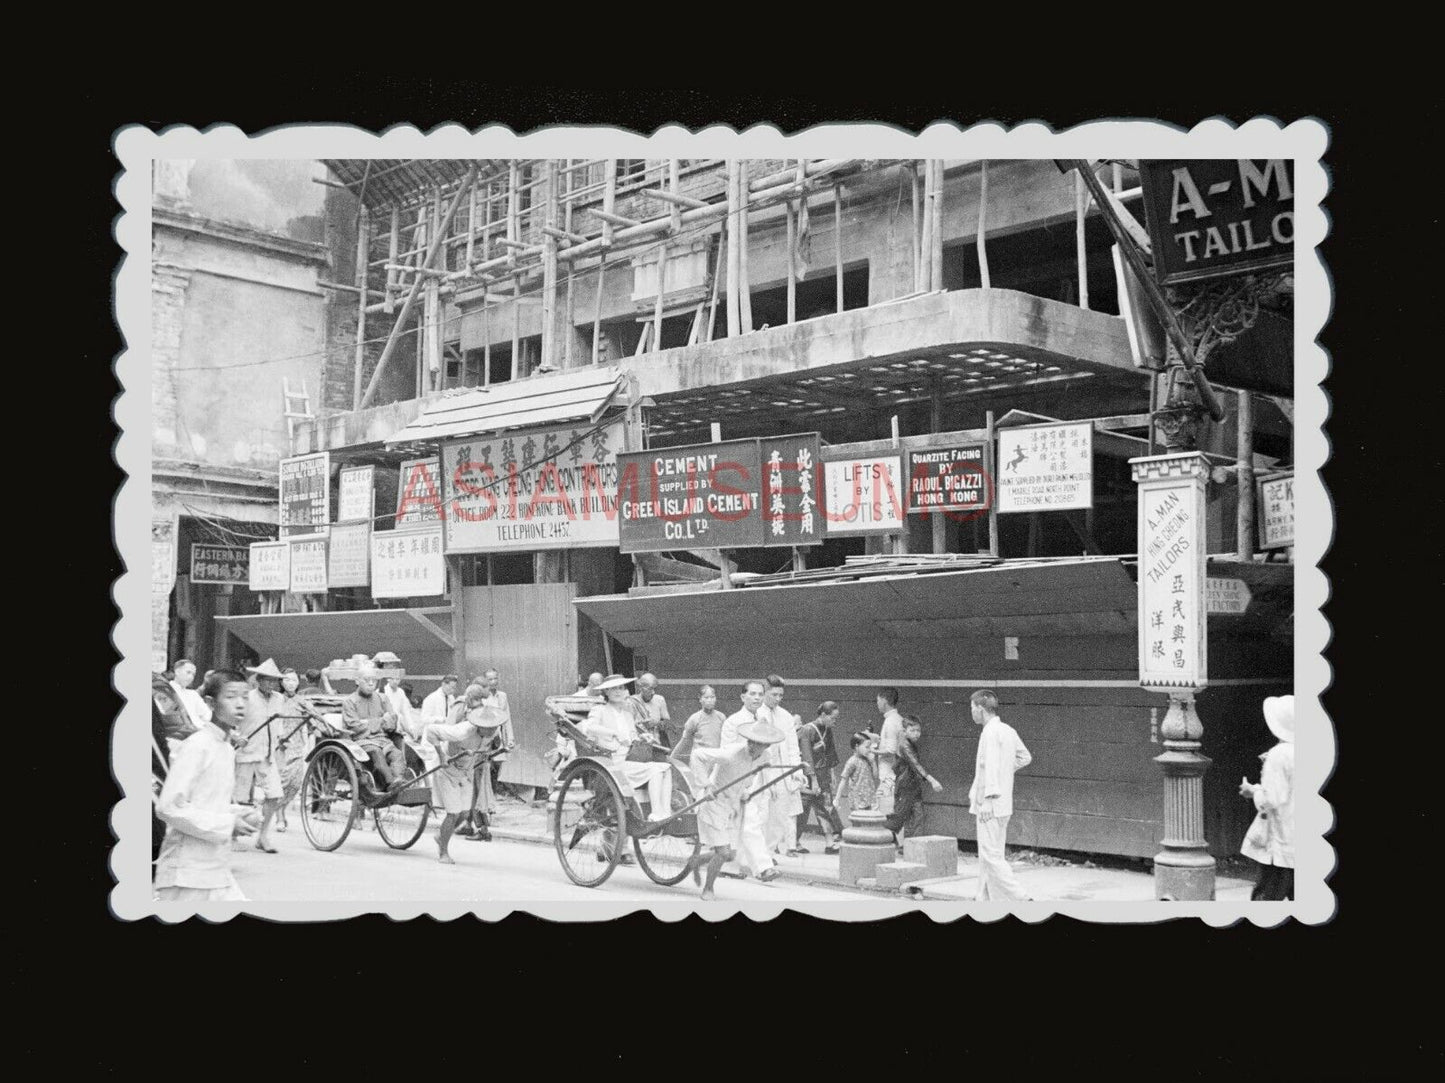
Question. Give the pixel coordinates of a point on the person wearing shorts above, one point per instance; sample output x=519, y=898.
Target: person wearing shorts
x=256, y=762
x=719, y=819
x=454, y=787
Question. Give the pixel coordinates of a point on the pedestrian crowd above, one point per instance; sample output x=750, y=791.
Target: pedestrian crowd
x=761, y=773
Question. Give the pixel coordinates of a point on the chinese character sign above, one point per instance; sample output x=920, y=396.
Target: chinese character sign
x=348, y=557
x=220, y=564
x=419, y=493
x=308, y=565
x=270, y=565
x=407, y=563
x=1276, y=511
x=864, y=495
x=791, y=512
x=705, y=496
x=305, y=486
x=356, y=494
x=539, y=489
x=1046, y=467
x=1172, y=598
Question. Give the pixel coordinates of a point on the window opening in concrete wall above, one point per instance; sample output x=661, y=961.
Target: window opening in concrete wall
x=509, y=569
x=817, y=296
x=1042, y=262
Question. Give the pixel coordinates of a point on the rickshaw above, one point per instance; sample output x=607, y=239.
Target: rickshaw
x=340, y=786
x=595, y=809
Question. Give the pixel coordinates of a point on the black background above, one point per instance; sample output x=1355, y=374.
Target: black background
x=1178, y=1000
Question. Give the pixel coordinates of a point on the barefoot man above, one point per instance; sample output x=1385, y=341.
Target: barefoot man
x=719, y=820
x=453, y=787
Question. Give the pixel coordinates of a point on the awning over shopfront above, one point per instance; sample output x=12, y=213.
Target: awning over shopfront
x=422, y=637
x=582, y=394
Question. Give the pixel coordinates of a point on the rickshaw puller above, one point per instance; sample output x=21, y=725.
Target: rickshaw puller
x=718, y=819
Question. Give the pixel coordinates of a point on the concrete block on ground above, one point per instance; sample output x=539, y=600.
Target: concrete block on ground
x=939, y=853
x=855, y=861
x=895, y=874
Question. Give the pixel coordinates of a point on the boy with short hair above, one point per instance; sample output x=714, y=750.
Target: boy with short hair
x=195, y=803
x=907, y=814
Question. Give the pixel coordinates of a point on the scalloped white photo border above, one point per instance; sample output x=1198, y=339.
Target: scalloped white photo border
x=1303, y=140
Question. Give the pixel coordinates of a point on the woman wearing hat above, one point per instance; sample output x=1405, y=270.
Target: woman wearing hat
x=613, y=725
x=1270, y=840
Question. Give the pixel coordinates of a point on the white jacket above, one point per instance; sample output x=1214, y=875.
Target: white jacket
x=1272, y=842
x=1000, y=754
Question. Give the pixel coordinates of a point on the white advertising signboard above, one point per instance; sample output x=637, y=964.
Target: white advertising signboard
x=270, y=565
x=308, y=565
x=865, y=495
x=348, y=557
x=1046, y=467
x=1172, y=600
x=407, y=563
x=356, y=494
x=536, y=489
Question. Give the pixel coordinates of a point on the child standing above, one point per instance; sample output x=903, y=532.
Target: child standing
x=702, y=730
x=1270, y=840
x=194, y=863
x=858, y=778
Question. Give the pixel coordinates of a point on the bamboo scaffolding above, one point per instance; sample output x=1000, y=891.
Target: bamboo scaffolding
x=982, y=235
x=917, y=230
x=392, y=258
x=394, y=336
x=838, y=242
x=1080, y=250
x=745, y=281
x=362, y=245
x=925, y=240
x=936, y=252
x=733, y=310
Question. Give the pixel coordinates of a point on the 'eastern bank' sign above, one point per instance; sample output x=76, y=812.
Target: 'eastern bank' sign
x=1212, y=217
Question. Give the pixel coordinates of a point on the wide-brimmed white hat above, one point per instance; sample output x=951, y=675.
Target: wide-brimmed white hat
x=385, y=658
x=614, y=681
x=764, y=733
x=265, y=669
x=1279, y=716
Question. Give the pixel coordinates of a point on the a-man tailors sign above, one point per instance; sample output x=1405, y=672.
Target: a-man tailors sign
x=1213, y=217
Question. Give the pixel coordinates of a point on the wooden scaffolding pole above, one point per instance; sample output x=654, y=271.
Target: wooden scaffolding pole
x=549, y=271
x=363, y=252
x=1080, y=250
x=745, y=285
x=393, y=248
x=431, y=255
x=661, y=293
x=982, y=225
x=792, y=241
x=917, y=229
x=936, y=253
x=838, y=242
x=734, y=320
x=925, y=242
x=571, y=274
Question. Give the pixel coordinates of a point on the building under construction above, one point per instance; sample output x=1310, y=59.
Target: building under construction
x=889, y=307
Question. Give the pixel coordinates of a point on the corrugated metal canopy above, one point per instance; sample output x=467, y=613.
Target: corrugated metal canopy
x=539, y=400
x=305, y=640
x=384, y=182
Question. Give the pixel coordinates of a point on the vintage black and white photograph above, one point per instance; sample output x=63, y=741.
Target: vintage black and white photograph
x=735, y=526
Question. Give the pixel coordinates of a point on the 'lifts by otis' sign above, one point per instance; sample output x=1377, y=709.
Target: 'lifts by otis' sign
x=1212, y=217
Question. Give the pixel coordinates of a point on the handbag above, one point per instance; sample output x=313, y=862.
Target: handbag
x=640, y=751
x=1257, y=837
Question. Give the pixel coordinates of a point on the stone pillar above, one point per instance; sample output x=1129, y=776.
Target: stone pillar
x=1174, y=657
x=1184, y=869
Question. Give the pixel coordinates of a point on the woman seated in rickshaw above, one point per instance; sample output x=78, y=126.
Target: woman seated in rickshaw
x=613, y=726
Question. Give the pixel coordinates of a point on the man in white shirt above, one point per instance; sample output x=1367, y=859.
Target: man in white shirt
x=653, y=707
x=991, y=797
x=750, y=843
x=888, y=738
x=195, y=706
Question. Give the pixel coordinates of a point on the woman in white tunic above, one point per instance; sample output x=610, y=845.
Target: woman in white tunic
x=613, y=725
x=1270, y=840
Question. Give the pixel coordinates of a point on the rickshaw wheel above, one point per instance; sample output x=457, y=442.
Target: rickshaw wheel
x=589, y=824
x=401, y=825
x=663, y=857
x=329, y=804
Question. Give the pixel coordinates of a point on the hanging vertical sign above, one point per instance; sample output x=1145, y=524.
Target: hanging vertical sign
x=163, y=579
x=356, y=494
x=1275, y=500
x=308, y=565
x=407, y=563
x=1046, y=467
x=1172, y=600
x=419, y=493
x=864, y=495
x=792, y=515
x=270, y=565
x=348, y=555
x=305, y=486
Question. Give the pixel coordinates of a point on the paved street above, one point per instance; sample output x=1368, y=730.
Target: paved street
x=365, y=869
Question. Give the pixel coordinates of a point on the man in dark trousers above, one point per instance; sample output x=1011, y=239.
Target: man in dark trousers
x=816, y=750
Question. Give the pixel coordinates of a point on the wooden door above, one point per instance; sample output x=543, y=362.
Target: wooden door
x=528, y=634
